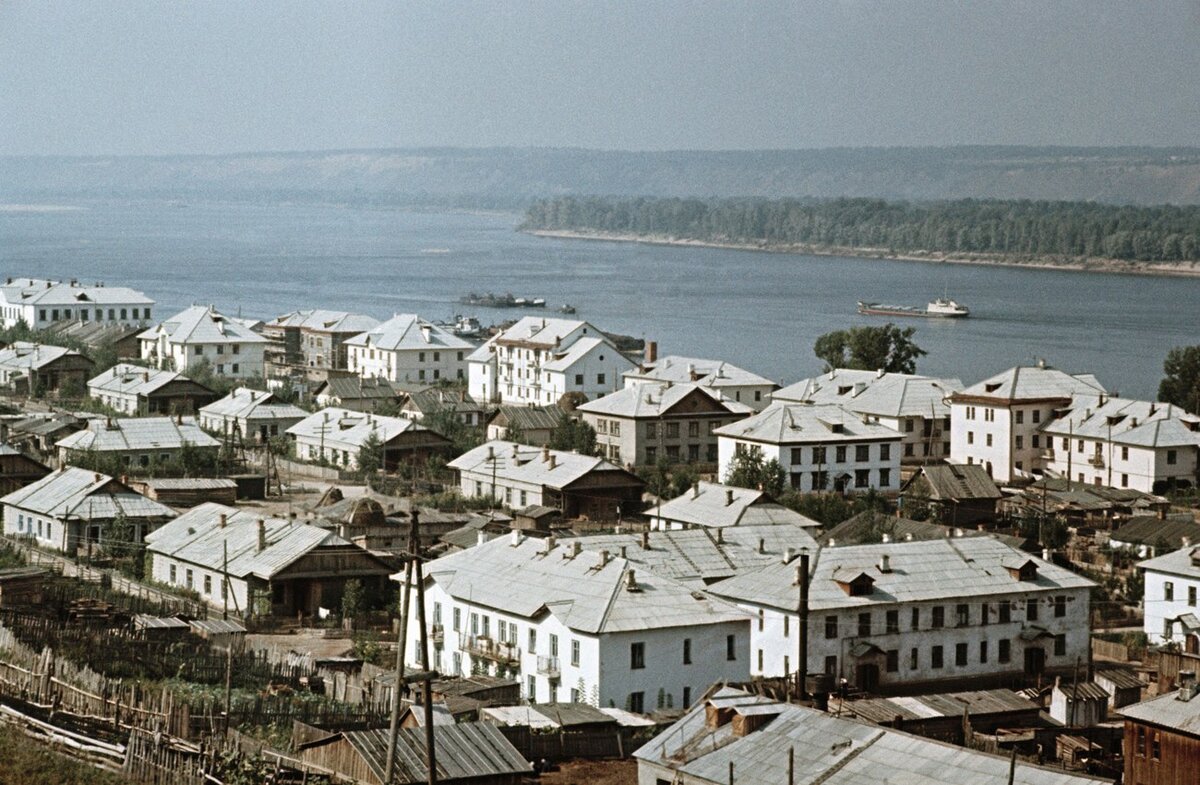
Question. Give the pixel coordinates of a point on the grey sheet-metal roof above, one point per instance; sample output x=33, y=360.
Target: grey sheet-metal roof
x=945, y=704
x=1150, y=529
x=870, y=392
x=345, y=429
x=93, y=334
x=188, y=483
x=542, y=331
x=247, y=404
x=968, y=567
x=869, y=526
x=834, y=386
x=217, y=627
x=323, y=321
x=127, y=434
x=197, y=537
x=465, y=751
x=531, y=417
x=708, y=373
x=1034, y=383
x=547, y=715
x=653, y=400
x=39, y=291
x=22, y=356
x=1184, y=562
x=522, y=463
x=807, y=423
x=202, y=324
x=129, y=379
x=828, y=750
x=1083, y=691
x=1127, y=422
x=356, y=388
x=1120, y=678
x=699, y=557
x=144, y=621
x=713, y=504
x=959, y=482
x=584, y=594
x=427, y=401
x=409, y=332
x=1169, y=712
x=77, y=493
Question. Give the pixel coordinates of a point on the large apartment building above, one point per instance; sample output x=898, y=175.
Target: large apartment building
x=202, y=334
x=40, y=303
x=409, y=349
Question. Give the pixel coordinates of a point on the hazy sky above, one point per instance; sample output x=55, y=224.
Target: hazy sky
x=180, y=77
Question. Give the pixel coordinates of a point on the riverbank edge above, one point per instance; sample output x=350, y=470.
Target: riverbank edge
x=1071, y=264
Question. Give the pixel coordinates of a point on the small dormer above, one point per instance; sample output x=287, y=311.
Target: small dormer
x=1195, y=557
x=1021, y=569
x=993, y=386
x=855, y=582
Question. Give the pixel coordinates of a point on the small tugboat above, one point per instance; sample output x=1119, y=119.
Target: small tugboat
x=941, y=308
x=566, y=308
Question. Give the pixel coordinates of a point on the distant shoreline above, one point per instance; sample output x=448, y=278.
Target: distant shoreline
x=1073, y=264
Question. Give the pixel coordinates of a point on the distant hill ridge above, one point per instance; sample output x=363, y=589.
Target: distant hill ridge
x=514, y=177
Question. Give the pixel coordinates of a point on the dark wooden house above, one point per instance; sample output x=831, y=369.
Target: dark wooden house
x=957, y=495
x=18, y=470
x=1162, y=737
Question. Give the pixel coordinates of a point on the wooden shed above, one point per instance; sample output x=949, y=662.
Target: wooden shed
x=22, y=587
x=187, y=491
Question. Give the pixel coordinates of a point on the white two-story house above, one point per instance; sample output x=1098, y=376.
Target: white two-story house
x=538, y=360
x=576, y=625
x=914, y=406
x=821, y=447
x=40, y=303
x=736, y=384
x=1123, y=443
x=407, y=348
x=202, y=333
x=997, y=422
x=917, y=612
x=1172, y=598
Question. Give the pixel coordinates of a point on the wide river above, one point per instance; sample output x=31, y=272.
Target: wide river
x=759, y=310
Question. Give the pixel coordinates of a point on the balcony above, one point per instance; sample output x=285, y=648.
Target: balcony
x=488, y=649
x=1097, y=461
x=1046, y=455
x=549, y=667
x=437, y=633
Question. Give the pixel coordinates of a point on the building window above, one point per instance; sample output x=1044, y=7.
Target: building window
x=651, y=430
x=914, y=659
x=831, y=627
x=173, y=578
x=960, y=655
x=578, y=380
x=839, y=454
x=831, y=667
x=637, y=702
x=532, y=641
x=916, y=619
x=1031, y=609
x=1192, y=596
x=1005, y=651
x=687, y=651
x=208, y=584
x=1155, y=745
x=983, y=652
x=1172, y=456
x=864, y=624
x=862, y=453
x=672, y=430
x=936, y=658
x=1060, y=606
x=1020, y=413
x=1060, y=645
x=188, y=579
x=637, y=656
x=575, y=653
x=553, y=645
x=760, y=660
x=1020, y=442
x=939, y=617
x=762, y=619
x=731, y=647
x=818, y=455
x=988, y=439
x=962, y=615
x=885, y=478
x=862, y=478
x=599, y=378
x=984, y=614
x=786, y=625
x=893, y=660
x=1169, y=591
x=970, y=437
x=1005, y=611
x=892, y=620
x=885, y=452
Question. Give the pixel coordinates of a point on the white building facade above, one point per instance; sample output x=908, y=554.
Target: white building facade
x=998, y=422
x=917, y=612
x=1172, y=598
x=407, y=348
x=820, y=447
x=573, y=625
x=202, y=333
x=736, y=384
x=538, y=360
x=40, y=303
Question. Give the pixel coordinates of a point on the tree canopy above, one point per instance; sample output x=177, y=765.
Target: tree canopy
x=573, y=435
x=1181, y=378
x=889, y=348
x=749, y=470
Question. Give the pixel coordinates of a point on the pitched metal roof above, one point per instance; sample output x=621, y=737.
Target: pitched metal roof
x=806, y=423
x=522, y=463
x=354, y=388
x=409, y=332
x=202, y=324
x=656, y=399
x=1168, y=711
x=958, y=482
x=827, y=750
x=1127, y=422
x=968, y=567
x=540, y=330
x=77, y=493
x=708, y=373
x=129, y=379
x=320, y=320
x=699, y=557
x=39, y=291
x=1035, y=383
x=532, y=417
x=465, y=751
x=946, y=704
x=121, y=434
x=869, y=526
x=197, y=537
x=548, y=715
x=349, y=430
x=244, y=403
x=713, y=504
x=22, y=356
x=578, y=589
x=1185, y=562
x=1150, y=529
x=427, y=401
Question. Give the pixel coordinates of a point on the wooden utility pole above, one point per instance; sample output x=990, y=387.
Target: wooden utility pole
x=802, y=663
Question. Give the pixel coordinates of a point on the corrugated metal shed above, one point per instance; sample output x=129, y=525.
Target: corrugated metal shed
x=465, y=750
x=949, y=704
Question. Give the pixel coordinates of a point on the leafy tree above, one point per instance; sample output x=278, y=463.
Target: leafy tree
x=573, y=435
x=353, y=599
x=749, y=470
x=445, y=420
x=889, y=348
x=1181, y=379
x=370, y=455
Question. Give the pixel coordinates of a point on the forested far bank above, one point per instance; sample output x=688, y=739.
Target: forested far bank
x=1166, y=233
